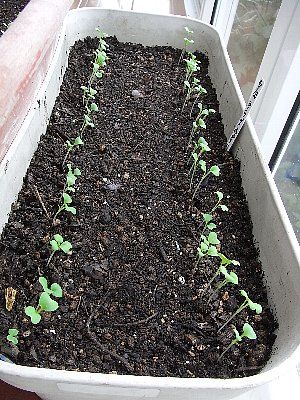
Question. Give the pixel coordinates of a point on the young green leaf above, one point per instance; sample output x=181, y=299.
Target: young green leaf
x=211, y=226
x=44, y=283
x=46, y=303
x=67, y=198
x=33, y=314
x=94, y=107
x=54, y=245
x=219, y=195
x=56, y=290
x=248, y=331
x=78, y=141
x=215, y=170
x=223, y=207
x=207, y=217
x=13, y=336
x=213, y=238
x=58, y=238
x=202, y=165
x=72, y=210
x=66, y=247
x=212, y=251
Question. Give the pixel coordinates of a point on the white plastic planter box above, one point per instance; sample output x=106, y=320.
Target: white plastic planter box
x=278, y=246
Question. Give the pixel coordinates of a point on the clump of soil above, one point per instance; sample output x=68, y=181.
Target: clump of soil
x=132, y=296
x=9, y=10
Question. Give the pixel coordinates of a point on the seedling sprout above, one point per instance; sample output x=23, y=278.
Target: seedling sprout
x=187, y=42
x=46, y=303
x=71, y=146
x=229, y=277
x=207, y=247
x=58, y=243
x=246, y=303
x=71, y=177
x=248, y=332
x=214, y=170
x=13, y=336
x=199, y=122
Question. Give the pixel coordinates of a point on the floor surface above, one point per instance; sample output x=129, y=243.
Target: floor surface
x=8, y=392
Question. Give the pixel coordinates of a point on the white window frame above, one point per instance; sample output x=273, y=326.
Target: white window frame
x=281, y=70
x=200, y=9
x=224, y=17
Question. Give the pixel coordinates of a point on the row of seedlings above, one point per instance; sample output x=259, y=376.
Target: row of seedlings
x=199, y=168
x=46, y=303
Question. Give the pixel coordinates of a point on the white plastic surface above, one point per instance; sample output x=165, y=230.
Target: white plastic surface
x=278, y=246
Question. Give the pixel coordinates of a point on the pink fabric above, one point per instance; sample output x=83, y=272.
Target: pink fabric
x=26, y=49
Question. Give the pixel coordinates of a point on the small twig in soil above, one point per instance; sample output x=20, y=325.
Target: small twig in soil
x=139, y=144
x=79, y=302
x=163, y=253
x=40, y=200
x=93, y=337
x=142, y=321
x=154, y=293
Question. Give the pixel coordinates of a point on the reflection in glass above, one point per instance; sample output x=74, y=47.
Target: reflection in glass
x=251, y=30
x=287, y=178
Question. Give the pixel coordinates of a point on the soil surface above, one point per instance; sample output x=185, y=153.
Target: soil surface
x=132, y=297
x=9, y=10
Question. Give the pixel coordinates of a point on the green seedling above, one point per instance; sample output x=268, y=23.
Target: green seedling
x=248, y=332
x=207, y=218
x=192, y=66
x=58, y=243
x=13, y=336
x=187, y=41
x=228, y=277
x=218, y=204
x=46, y=303
x=66, y=206
x=99, y=63
x=199, y=90
x=214, y=170
x=208, y=224
x=199, y=122
x=200, y=148
x=71, y=146
x=191, y=88
x=72, y=175
x=207, y=247
x=246, y=303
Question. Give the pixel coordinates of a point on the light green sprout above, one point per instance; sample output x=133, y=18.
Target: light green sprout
x=46, y=303
x=228, y=277
x=248, y=332
x=246, y=303
x=13, y=336
x=58, y=243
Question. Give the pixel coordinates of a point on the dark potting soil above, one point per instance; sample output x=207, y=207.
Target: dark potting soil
x=132, y=297
x=9, y=10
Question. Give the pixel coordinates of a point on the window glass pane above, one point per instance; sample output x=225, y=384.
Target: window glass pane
x=251, y=30
x=287, y=177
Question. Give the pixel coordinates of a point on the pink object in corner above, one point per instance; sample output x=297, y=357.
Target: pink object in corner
x=26, y=49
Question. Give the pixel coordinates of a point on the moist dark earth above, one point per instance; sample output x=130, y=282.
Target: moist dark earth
x=132, y=297
x=9, y=10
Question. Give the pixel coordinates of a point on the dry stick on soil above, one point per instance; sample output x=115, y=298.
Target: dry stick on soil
x=40, y=200
x=93, y=337
x=142, y=321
